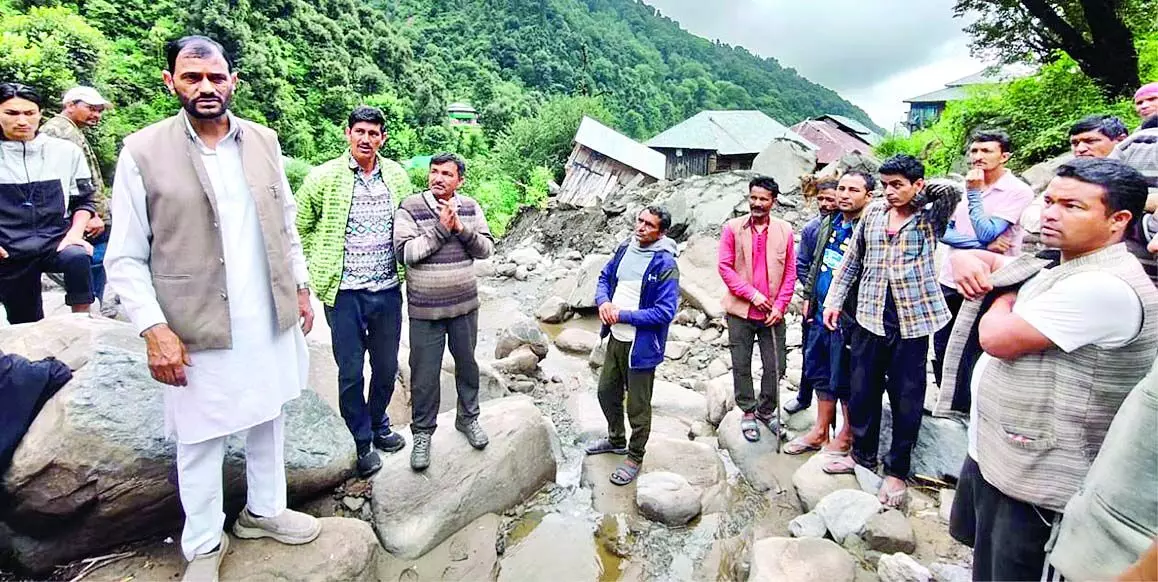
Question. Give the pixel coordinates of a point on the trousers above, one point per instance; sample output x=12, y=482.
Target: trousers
x=20, y=288
x=616, y=381
x=199, y=483
x=428, y=338
x=743, y=333
x=361, y=322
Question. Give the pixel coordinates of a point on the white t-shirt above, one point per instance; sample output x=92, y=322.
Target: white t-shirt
x=1090, y=308
x=626, y=298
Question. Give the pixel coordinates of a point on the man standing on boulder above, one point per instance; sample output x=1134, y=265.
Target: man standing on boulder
x=83, y=108
x=987, y=218
x=439, y=234
x=207, y=261
x=637, y=295
x=1057, y=347
x=46, y=201
x=346, y=220
x=826, y=355
x=826, y=197
x=898, y=307
x=757, y=262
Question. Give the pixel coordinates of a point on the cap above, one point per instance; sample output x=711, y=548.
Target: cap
x=86, y=94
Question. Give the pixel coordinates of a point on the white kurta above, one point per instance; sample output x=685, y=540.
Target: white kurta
x=228, y=390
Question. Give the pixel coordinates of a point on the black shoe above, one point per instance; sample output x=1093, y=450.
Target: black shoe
x=390, y=442
x=369, y=463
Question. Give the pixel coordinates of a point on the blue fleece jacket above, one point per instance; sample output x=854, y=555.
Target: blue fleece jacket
x=659, y=296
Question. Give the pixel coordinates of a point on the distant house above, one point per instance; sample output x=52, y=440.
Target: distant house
x=836, y=136
x=605, y=161
x=925, y=110
x=462, y=114
x=718, y=141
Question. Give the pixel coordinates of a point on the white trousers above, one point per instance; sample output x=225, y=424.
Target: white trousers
x=199, y=475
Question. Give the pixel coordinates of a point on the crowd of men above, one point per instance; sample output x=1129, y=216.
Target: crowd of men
x=1051, y=356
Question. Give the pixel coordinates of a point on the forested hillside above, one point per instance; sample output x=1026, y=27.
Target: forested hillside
x=530, y=66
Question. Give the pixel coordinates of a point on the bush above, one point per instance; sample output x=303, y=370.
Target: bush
x=295, y=171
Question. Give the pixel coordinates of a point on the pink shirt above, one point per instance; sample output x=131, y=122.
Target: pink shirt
x=1006, y=199
x=759, y=287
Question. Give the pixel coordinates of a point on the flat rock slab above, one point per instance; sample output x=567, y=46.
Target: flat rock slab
x=812, y=484
x=559, y=548
x=800, y=560
x=466, y=556
x=414, y=512
x=759, y=462
x=346, y=550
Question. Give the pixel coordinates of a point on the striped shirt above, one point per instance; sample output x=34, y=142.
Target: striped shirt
x=900, y=263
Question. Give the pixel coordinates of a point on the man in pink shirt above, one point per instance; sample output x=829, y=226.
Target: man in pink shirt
x=757, y=261
x=986, y=219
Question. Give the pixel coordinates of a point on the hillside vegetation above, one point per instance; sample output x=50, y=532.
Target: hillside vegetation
x=531, y=67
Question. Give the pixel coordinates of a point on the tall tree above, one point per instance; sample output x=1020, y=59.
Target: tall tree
x=1097, y=34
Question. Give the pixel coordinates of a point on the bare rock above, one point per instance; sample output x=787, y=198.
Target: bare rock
x=890, y=532
x=847, y=512
x=676, y=350
x=553, y=310
x=667, y=498
x=466, y=556
x=523, y=331
x=800, y=560
x=577, y=341
x=808, y=525
x=683, y=333
x=902, y=568
x=720, y=397
x=813, y=484
x=521, y=361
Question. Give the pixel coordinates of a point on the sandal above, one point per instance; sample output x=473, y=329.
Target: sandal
x=602, y=446
x=773, y=423
x=625, y=473
x=749, y=428
x=840, y=466
x=894, y=498
x=798, y=447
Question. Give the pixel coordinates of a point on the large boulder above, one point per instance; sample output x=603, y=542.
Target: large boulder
x=847, y=512
x=469, y=483
x=786, y=161
x=346, y=550
x=552, y=310
x=700, y=282
x=668, y=399
x=851, y=161
x=577, y=341
x=578, y=289
x=812, y=484
x=523, y=331
x=702, y=204
x=667, y=498
x=720, y=397
x=757, y=461
x=902, y=568
x=525, y=256
x=324, y=381
x=941, y=445
x=521, y=361
x=696, y=462
x=93, y=470
x=800, y=560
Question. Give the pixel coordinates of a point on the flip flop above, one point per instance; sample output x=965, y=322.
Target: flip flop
x=749, y=428
x=895, y=498
x=602, y=446
x=625, y=473
x=840, y=466
x=799, y=447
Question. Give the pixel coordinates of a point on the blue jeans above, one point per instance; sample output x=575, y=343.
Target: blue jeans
x=826, y=363
x=360, y=322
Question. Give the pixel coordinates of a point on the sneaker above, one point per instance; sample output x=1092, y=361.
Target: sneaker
x=288, y=527
x=391, y=442
x=474, y=433
x=368, y=463
x=420, y=454
x=793, y=406
x=204, y=567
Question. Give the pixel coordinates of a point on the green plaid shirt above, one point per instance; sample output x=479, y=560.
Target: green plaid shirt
x=902, y=263
x=324, y=201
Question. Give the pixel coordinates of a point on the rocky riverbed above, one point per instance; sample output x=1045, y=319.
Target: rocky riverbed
x=708, y=506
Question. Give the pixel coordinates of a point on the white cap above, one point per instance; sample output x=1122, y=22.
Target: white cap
x=86, y=94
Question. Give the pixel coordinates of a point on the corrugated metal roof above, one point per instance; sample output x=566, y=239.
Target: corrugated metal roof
x=941, y=95
x=832, y=141
x=619, y=147
x=857, y=127
x=726, y=132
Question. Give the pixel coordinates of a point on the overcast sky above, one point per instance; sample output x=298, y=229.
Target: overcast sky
x=874, y=53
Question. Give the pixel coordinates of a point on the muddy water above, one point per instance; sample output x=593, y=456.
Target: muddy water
x=626, y=548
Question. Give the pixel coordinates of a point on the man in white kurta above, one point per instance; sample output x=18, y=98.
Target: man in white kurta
x=226, y=391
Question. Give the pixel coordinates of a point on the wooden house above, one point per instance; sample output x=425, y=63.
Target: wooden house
x=718, y=141
x=605, y=161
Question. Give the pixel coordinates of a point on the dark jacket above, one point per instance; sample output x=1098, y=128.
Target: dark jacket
x=806, y=249
x=43, y=182
x=24, y=388
x=658, y=298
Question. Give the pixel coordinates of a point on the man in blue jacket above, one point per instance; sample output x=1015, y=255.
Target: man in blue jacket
x=637, y=295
